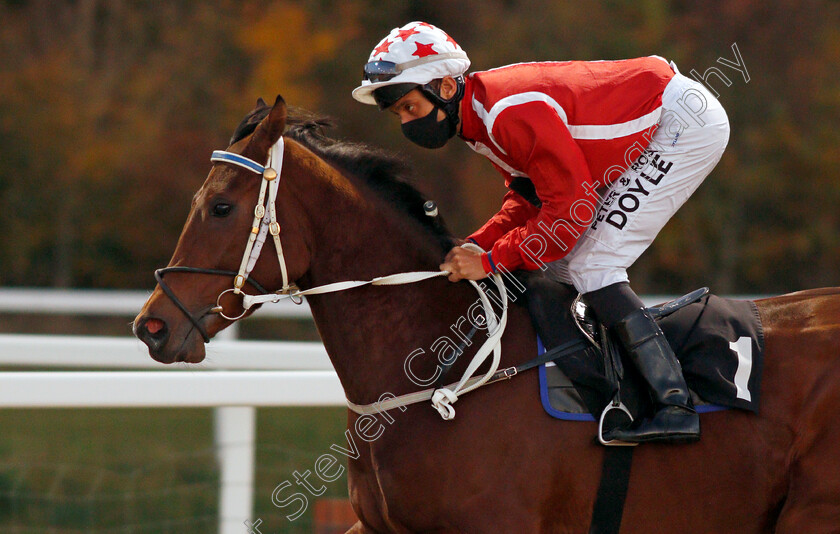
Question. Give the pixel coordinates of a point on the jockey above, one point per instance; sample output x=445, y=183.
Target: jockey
x=597, y=156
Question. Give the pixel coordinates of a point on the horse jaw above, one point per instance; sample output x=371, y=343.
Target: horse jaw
x=189, y=349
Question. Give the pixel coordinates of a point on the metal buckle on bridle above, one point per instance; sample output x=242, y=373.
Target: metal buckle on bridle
x=160, y=273
x=292, y=292
x=238, y=283
x=218, y=308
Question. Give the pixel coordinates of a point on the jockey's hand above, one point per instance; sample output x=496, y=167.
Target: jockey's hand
x=463, y=264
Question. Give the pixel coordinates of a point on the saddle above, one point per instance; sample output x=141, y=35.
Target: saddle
x=719, y=343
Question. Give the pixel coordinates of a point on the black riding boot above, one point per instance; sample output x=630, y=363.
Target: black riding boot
x=648, y=349
x=549, y=302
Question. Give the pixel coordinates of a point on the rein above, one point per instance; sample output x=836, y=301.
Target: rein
x=265, y=222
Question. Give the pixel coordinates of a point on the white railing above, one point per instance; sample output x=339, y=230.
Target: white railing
x=129, y=353
x=236, y=377
x=108, y=302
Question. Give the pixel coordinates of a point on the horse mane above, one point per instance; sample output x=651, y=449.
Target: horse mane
x=385, y=173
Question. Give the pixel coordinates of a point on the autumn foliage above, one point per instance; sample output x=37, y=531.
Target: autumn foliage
x=109, y=111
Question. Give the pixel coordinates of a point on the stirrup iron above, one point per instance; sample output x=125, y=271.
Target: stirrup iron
x=616, y=404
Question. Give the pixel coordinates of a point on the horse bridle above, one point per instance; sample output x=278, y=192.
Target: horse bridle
x=260, y=228
x=159, y=273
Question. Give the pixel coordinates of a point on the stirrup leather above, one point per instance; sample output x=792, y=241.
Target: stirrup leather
x=615, y=373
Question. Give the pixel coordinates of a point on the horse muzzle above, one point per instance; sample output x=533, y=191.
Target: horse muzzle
x=161, y=325
x=163, y=340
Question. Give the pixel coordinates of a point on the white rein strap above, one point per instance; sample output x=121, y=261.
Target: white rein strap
x=443, y=398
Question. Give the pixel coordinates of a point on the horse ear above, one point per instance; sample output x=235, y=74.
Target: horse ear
x=268, y=131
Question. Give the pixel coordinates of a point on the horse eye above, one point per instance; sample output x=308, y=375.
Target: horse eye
x=221, y=209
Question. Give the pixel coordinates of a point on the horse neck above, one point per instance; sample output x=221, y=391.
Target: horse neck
x=370, y=331
x=354, y=233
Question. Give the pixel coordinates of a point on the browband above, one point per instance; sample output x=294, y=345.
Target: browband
x=236, y=159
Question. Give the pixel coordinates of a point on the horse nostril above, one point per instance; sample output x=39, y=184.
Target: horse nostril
x=153, y=332
x=154, y=326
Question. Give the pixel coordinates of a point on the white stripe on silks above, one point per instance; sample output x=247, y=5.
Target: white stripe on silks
x=479, y=109
x=484, y=150
x=489, y=117
x=612, y=131
x=577, y=131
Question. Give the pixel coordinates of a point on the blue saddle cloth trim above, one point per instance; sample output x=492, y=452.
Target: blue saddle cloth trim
x=586, y=416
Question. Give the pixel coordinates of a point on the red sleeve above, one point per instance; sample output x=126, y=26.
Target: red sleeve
x=538, y=142
x=515, y=212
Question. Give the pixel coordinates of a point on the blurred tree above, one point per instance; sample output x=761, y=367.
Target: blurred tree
x=765, y=220
x=109, y=108
x=100, y=102
x=286, y=47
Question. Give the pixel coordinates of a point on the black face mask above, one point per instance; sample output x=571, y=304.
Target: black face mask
x=428, y=132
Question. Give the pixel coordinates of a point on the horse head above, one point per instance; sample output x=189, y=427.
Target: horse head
x=183, y=311
x=331, y=202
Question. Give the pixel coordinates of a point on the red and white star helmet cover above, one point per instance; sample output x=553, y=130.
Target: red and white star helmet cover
x=413, y=41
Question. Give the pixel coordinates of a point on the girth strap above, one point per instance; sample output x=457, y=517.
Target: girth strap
x=612, y=490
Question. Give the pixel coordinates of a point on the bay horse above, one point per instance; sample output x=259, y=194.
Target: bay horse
x=502, y=465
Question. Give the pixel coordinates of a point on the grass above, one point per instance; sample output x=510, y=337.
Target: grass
x=151, y=470
x=98, y=471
